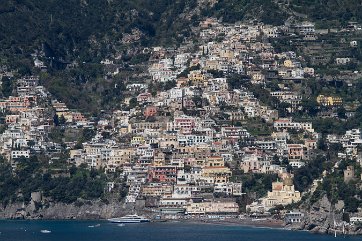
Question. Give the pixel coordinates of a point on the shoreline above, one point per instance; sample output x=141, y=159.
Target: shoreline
x=274, y=224
x=255, y=224
x=269, y=223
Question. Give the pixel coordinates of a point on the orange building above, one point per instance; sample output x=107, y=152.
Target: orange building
x=150, y=111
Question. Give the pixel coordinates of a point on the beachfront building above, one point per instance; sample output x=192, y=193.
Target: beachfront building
x=283, y=193
x=202, y=208
x=293, y=217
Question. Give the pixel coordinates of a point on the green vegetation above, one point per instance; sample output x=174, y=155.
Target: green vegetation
x=329, y=13
x=6, y=86
x=258, y=127
x=84, y=33
x=29, y=176
x=259, y=183
x=154, y=87
x=304, y=176
x=78, y=29
x=232, y=11
x=256, y=183
x=336, y=189
x=236, y=81
x=310, y=111
x=84, y=88
x=60, y=134
x=93, y=29
x=330, y=125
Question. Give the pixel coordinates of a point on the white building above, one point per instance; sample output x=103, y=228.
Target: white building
x=17, y=154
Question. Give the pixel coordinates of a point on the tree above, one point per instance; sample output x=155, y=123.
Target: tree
x=56, y=120
x=236, y=81
x=133, y=102
x=88, y=134
x=198, y=101
x=31, y=143
x=276, y=160
x=6, y=86
x=283, y=109
x=62, y=120
x=106, y=135
x=310, y=106
x=341, y=112
x=170, y=84
x=216, y=73
x=304, y=176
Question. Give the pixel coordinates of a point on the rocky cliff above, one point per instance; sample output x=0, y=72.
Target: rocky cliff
x=324, y=218
x=83, y=210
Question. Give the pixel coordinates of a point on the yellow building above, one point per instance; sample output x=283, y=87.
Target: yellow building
x=121, y=156
x=329, y=100
x=227, y=54
x=137, y=140
x=211, y=64
x=283, y=193
x=196, y=77
x=291, y=63
x=195, y=162
x=288, y=63
x=217, y=174
x=215, y=161
x=182, y=81
x=66, y=114
x=257, y=76
x=159, y=159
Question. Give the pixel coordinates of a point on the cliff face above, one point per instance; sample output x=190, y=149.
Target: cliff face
x=320, y=217
x=325, y=218
x=88, y=210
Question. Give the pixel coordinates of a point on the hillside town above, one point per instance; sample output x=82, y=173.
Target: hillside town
x=228, y=108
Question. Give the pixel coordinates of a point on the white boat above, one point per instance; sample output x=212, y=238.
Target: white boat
x=129, y=219
x=45, y=231
x=94, y=226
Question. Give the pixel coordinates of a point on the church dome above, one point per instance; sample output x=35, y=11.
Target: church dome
x=288, y=181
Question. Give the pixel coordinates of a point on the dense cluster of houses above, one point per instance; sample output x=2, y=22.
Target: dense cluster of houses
x=29, y=118
x=180, y=146
x=26, y=122
x=180, y=149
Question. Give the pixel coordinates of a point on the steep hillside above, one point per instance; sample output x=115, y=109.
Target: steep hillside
x=87, y=31
x=87, y=28
x=329, y=12
x=91, y=29
x=236, y=10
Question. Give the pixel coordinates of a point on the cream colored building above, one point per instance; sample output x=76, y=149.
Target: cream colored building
x=218, y=174
x=227, y=207
x=283, y=193
x=214, y=161
x=157, y=190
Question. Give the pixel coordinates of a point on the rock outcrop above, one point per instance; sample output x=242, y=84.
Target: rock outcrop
x=78, y=210
x=324, y=218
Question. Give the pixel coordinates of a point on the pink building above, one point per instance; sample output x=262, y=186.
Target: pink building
x=150, y=111
x=185, y=124
x=165, y=174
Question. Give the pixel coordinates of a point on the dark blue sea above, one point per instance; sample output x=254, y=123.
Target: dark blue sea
x=90, y=231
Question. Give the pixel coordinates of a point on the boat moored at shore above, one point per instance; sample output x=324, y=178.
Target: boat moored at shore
x=129, y=219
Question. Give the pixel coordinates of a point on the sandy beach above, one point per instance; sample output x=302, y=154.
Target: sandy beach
x=266, y=223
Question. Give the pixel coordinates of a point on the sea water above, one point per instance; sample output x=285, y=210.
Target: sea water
x=169, y=231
